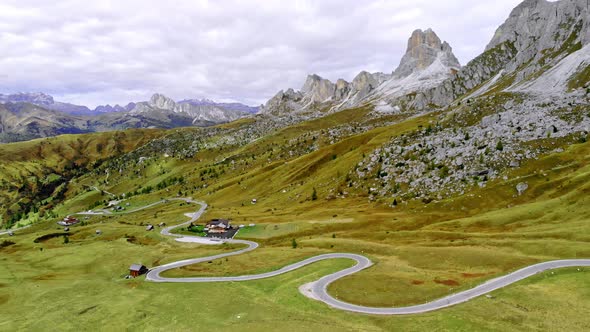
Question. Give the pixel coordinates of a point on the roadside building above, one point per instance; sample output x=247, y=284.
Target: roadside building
x=218, y=226
x=135, y=270
x=68, y=221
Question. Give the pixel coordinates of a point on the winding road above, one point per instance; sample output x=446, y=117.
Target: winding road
x=318, y=290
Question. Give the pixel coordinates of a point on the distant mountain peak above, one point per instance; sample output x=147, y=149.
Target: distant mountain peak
x=37, y=98
x=228, y=106
x=46, y=101
x=162, y=102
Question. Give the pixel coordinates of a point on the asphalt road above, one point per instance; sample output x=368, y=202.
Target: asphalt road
x=318, y=289
x=14, y=230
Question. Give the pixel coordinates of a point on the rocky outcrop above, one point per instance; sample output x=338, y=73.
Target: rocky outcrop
x=283, y=102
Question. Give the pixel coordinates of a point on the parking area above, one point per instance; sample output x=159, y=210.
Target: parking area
x=228, y=234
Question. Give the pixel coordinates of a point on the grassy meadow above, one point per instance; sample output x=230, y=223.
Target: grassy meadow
x=421, y=251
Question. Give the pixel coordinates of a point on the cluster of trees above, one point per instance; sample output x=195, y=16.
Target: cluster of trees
x=169, y=182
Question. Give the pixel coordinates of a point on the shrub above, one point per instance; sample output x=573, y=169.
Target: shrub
x=6, y=243
x=314, y=195
x=294, y=243
x=500, y=146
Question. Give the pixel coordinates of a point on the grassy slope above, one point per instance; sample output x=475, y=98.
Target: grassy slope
x=47, y=158
x=421, y=252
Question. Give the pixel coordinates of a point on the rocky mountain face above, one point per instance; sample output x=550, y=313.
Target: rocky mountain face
x=542, y=48
x=428, y=61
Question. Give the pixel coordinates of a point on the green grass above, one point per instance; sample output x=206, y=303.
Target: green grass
x=86, y=277
x=421, y=252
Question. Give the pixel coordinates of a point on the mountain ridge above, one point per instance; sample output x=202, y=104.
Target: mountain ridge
x=427, y=62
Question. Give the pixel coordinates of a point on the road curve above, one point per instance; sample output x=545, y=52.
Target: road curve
x=319, y=289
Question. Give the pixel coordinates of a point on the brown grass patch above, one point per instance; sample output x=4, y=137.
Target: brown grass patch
x=417, y=282
x=447, y=282
x=472, y=275
x=47, y=276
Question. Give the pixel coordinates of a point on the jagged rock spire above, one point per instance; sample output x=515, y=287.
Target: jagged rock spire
x=424, y=47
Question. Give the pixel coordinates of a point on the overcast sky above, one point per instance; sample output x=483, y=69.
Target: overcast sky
x=99, y=52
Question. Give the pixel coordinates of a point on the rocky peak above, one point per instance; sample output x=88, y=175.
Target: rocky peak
x=109, y=109
x=318, y=89
x=162, y=102
x=538, y=25
x=424, y=47
x=364, y=83
x=37, y=98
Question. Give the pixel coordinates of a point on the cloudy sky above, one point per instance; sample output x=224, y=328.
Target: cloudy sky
x=98, y=52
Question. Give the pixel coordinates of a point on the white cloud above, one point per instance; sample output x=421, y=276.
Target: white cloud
x=98, y=52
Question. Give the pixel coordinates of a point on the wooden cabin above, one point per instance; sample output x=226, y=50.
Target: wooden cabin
x=135, y=270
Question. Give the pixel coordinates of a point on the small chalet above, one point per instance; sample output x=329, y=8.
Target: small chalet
x=218, y=226
x=68, y=221
x=135, y=270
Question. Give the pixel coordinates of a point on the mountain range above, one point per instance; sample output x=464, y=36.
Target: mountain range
x=428, y=62
x=540, y=50
x=25, y=116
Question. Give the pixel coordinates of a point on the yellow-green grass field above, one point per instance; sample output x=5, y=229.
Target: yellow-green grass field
x=418, y=256
x=421, y=251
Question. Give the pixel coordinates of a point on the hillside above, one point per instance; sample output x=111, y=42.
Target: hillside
x=36, y=174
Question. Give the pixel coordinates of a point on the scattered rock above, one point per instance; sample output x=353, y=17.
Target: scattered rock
x=521, y=188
